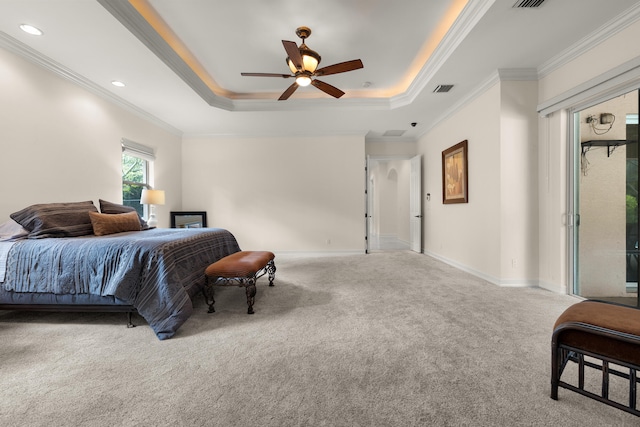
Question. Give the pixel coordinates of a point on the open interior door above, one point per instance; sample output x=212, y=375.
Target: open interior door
x=415, y=204
x=367, y=205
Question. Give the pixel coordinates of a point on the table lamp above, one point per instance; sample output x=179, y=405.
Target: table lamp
x=151, y=198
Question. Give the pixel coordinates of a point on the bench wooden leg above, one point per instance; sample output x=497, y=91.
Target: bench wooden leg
x=250, y=288
x=555, y=367
x=207, y=292
x=271, y=269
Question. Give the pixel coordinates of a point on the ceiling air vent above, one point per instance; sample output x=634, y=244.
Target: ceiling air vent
x=528, y=3
x=442, y=88
x=394, y=133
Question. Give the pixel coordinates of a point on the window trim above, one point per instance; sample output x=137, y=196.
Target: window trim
x=134, y=149
x=146, y=154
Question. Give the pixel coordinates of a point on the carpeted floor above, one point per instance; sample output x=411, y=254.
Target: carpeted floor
x=386, y=339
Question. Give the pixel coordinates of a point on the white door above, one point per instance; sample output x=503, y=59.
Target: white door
x=415, y=204
x=367, y=206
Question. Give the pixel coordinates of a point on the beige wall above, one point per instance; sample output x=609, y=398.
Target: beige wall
x=280, y=194
x=406, y=149
x=61, y=143
x=466, y=234
x=518, y=183
x=494, y=235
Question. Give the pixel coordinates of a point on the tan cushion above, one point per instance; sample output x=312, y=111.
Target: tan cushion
x=608, y=316
x=116, y=208
x=240, y=264
x=104, y=224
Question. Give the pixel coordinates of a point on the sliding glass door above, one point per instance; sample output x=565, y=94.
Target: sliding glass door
x=606, y=251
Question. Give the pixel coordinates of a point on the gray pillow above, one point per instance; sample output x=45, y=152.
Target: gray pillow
x=115, y=208
x=56, y=219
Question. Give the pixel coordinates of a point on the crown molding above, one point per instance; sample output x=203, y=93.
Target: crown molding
x=301, y=104
x=126, y=14
x=609, y=29
x=277, y=134
x=26, y=52
x=517, y=74
x=469, y=17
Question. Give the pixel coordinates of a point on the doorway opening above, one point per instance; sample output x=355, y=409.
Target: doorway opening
x=606, y=251
x=391, y=204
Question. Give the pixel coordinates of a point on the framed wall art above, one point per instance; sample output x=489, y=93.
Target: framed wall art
x=455, y=174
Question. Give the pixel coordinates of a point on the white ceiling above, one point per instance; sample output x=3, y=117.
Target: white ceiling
x=94, y=42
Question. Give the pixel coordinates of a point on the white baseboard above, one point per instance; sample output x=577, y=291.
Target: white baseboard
x=507, y=283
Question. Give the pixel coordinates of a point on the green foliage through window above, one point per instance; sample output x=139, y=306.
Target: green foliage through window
x=134, y=179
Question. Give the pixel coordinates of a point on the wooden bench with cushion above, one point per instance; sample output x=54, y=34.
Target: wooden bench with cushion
x=596, y=334
x=242, y=268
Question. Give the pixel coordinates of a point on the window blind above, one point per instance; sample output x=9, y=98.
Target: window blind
x=138, y=150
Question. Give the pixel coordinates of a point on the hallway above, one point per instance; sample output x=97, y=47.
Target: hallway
x=387, y=243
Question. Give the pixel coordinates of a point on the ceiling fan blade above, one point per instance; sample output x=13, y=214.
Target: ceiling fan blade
x=327, y=88
x=342, y=67
x=293, y=52
x=284, y=76
x=287, y=93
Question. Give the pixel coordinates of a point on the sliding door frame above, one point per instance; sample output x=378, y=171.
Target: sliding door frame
x=573, y=182
x=573, y=194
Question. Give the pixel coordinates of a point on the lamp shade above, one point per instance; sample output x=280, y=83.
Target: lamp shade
x=152, y=197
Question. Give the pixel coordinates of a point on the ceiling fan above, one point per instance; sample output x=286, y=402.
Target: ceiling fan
x=303, y=63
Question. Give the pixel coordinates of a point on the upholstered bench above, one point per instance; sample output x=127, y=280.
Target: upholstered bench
x=239, y=269
x=596, y=334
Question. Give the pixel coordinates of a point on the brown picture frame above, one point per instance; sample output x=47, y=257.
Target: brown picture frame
x=455, y=174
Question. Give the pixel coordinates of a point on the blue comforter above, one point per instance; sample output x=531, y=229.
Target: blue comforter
x=153, y=270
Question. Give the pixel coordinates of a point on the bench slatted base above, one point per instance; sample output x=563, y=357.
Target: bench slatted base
x=239, y=269
x=608, y=333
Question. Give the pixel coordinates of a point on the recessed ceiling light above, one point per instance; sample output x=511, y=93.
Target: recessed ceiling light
x=31, y=29
x=118, y=83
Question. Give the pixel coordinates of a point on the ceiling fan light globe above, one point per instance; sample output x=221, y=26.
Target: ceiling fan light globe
x=309, y=63
x=303, y=80
x=310, y=58
x=291, y=66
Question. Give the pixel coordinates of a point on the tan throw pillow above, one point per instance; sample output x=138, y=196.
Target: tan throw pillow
x=104, y=224
x=115, y=208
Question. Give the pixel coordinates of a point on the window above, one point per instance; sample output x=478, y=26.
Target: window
x=136, y=166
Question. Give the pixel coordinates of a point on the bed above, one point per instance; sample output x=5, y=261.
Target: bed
x=155, y=272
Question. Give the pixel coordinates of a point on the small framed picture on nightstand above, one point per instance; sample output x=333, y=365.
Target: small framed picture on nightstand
x=191, y=219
